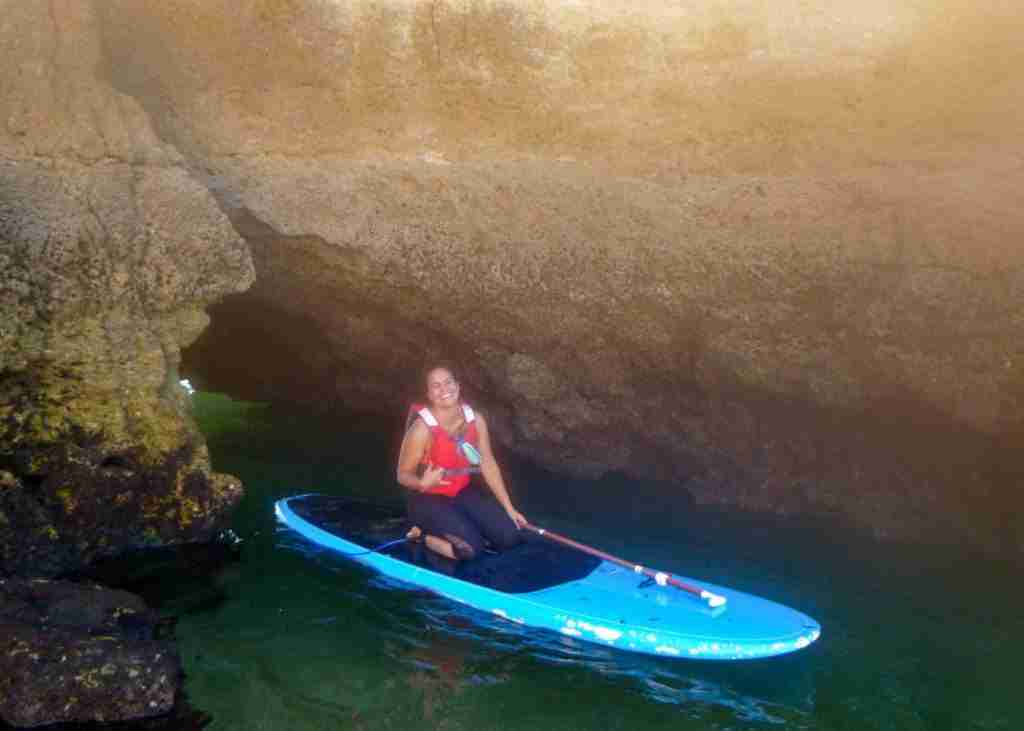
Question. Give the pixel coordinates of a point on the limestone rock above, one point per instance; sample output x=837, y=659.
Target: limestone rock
x=109, y=251
x=772, y=255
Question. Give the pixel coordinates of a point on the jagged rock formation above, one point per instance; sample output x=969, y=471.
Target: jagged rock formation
x=769, y=252
x=109, y=251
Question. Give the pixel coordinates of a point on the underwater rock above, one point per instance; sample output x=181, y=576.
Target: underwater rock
x=76, y=653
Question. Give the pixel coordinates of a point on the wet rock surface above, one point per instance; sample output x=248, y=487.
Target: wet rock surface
x=80, y=653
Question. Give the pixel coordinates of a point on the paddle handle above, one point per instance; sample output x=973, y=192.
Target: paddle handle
x=660, y=577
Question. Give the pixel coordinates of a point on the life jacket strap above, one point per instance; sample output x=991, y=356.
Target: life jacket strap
x=431, y=421
x=427, y=417
x=456, y=471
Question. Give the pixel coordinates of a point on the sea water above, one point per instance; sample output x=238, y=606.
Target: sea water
x=294, y=637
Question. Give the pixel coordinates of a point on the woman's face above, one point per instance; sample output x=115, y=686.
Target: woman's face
x=442, y=388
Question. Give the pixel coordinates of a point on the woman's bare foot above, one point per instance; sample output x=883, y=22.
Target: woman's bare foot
x=453, y=548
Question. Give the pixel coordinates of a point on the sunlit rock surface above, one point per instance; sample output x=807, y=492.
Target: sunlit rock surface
x=769, y=252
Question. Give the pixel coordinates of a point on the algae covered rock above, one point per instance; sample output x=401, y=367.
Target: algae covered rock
x=75, y=653
x=82, y=495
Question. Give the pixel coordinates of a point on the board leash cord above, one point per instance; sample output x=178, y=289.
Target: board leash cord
x=368, y=551
x=375, y=549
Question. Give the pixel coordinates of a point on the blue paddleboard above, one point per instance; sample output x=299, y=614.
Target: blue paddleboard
x=545, y=585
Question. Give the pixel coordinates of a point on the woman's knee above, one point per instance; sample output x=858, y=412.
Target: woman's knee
x=506, y=536
x=464, y=548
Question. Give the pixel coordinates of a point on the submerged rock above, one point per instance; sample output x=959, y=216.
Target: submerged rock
x=75, y=653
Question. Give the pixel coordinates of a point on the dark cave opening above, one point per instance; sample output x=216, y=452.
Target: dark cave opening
x=966, y=481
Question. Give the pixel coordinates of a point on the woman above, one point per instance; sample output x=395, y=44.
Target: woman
x=444, y=446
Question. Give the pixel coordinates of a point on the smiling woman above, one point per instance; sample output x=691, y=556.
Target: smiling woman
x=445, y=444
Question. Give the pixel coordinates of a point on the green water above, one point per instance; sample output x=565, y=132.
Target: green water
x=296, y=638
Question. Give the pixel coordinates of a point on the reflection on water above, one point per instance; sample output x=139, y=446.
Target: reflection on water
x=749, y=695
x=914, y=639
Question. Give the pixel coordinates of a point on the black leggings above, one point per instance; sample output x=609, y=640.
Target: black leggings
x=473, y=516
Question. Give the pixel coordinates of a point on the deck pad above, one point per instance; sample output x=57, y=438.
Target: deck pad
x=533, y=565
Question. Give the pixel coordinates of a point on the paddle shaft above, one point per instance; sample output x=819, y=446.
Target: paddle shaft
x=660, y=577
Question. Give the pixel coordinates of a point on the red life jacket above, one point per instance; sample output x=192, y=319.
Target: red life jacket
x=444, y=451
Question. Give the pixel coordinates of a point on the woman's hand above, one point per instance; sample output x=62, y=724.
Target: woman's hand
x=516, y=517
x=432, y=477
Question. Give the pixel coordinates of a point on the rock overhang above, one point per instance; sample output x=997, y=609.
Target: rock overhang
x=771, y=254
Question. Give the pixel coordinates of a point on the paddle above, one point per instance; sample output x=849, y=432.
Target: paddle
x=660, y=577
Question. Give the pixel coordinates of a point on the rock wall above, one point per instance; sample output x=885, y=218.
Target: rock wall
x=767, y=251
